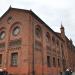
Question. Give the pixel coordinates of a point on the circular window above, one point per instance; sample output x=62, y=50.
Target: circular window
x=16, y=30
x=2, y=35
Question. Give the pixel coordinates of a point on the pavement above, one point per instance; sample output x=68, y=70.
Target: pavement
x=73, y=73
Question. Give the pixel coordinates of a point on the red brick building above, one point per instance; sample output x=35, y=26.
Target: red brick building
x=29, y=47
x=69, y=51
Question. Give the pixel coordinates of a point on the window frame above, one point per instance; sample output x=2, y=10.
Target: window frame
x=14, y=59
x=38, y=31
x=14, y=30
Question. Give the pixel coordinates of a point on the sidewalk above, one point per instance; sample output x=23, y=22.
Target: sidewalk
x=73, y=73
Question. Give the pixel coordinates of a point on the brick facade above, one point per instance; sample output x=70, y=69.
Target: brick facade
x=28, y=46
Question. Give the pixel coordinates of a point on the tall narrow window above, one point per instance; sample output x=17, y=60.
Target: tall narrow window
x=47, y=37
x=54, y=63
x=48, y=61
x=14, y=59
x=58, y=62
x=38, y=31
x=57, y=42
x=53, y=40
x=0, y=59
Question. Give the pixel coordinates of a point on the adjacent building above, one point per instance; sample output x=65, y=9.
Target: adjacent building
x=28, y=46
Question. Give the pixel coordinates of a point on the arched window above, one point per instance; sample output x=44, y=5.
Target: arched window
x=2, y=33
x=38, y=39
x=54, y=62
x=53, y=39
x=38, y=31
x=15, y=29
x=47, y=37
x=57, y=42
x=58, y=62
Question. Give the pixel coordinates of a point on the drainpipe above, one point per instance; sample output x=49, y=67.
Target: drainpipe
x=33, y=72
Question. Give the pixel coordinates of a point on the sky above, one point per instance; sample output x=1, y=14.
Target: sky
x=52, y=12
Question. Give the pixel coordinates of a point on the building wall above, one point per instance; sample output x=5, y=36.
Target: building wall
x=71, y=55
x=69, y=51
x=25, y=45
x=48, y=48
x=40, y=50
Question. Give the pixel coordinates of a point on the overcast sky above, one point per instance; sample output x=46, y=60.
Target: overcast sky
x=52, y=12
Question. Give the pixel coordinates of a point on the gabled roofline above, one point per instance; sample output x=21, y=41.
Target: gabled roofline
x=33, y=14
x=10, y=9
x=5, y=13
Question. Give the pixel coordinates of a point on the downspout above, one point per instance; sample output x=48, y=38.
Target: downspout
x=33, y=30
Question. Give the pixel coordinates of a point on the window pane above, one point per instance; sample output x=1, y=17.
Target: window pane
x=54, y=63
x=58, y=62
x=14, y=59
x=48, y=61
x=16, y=30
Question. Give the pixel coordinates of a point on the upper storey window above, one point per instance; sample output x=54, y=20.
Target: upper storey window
x=47, y=37
x=53, y=39
x=38, y=31
x=2, y=35
x=16, y=30
x=57, y=42
x=9, y=19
